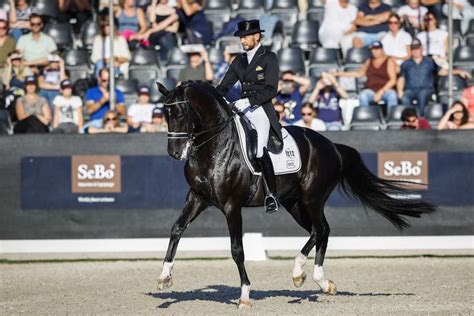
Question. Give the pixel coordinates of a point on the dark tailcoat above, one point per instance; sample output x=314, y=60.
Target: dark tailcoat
x=259, y=81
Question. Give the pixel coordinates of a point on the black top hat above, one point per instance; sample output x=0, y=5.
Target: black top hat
x=248, y=28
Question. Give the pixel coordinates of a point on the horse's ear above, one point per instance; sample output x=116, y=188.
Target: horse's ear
x=162, y=89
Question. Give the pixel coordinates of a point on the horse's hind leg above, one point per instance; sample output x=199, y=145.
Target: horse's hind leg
x=322, y=236
x=193, y=207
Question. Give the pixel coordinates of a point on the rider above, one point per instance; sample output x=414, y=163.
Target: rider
x=258, y=72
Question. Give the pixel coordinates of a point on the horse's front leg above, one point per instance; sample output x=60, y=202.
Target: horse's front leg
x=193, y=207
x=234, y=222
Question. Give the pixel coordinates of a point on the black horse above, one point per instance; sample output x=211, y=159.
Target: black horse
x=201, y=131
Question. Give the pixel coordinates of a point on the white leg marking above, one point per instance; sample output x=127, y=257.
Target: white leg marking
x=300, y=261
x=167, y=267
x=318, y=277
x=245, y=293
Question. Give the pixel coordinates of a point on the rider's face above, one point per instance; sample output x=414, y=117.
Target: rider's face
x=249, y=41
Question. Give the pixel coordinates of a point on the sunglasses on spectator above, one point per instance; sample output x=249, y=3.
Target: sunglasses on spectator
x=307, y=114
x=36, y=24
x=3, y=28
x=110, y=118
x=393, y=22
x=428, y=19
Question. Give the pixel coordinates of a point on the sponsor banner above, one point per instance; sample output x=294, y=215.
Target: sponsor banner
x=404, y=166
x=96, y=174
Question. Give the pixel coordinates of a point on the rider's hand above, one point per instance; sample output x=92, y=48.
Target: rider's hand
x=242, y=104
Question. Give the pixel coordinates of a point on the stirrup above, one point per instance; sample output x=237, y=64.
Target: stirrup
x=270, y=203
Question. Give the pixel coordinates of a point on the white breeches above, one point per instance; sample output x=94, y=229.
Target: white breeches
x=261, y=124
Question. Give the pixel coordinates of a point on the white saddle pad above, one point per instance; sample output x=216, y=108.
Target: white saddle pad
x=288, y=161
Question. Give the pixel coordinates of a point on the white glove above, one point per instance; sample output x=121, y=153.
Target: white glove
x=242, y=104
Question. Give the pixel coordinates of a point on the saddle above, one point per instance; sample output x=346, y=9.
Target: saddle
x=251, y=137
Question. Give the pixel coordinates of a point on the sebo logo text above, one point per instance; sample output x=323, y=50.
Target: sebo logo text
x=408, y=166
x=98, y=172
x=404, y=168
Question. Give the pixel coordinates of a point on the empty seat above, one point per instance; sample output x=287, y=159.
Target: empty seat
x=216, y=55
x=218, y=12
x=470, y=29
x=459, y=84
x=326, y=56
x=75, y=57
x=77, y=73
x=367, y=118
x=144, y=57
x=305, y=34
x=88, y=31
x=143, y=76
x=464, y=56
x=129, y=86
x=291, y=59
x=433, y=113
x=173, y=72
x=176, y=57
x=395, y=4
x=62, y=35
x=46, y=8
x=470, y=39
x=357, y=56
x=224, y=41
x=287, y=13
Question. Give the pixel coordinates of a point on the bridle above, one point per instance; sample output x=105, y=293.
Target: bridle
x=191, y=137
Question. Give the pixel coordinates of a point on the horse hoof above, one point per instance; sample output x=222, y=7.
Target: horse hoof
x=332, y=290
x=165, y=283
x=244, y=304
x=299, y=280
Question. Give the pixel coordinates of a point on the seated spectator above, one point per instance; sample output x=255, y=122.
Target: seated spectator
x=468, y=100
x=131, y=22
x=338, y=21
x=381, y=78
x=309, y=119
x=325, y=97
x=110, y=124
x=457, y=117
x=100, y=55
x=97, y=100
x=7, y=46
x=164, y=26
x=36, y=46
x=32, y=111
x=158, y=122
x=230, y=52
x=280, y=109
x=68, y=117
x=199, y=67
x=462, y=11
x=396, y=43
x=75, y=12
x=291, y=91
x=191, y=16
x=50, y=78
x=435, y=7
x=371, y=23
x=412, y=14
x=16, y=71
x=19, y=16
x=417, y=77
x=411, y=120
x=434, y=40
x=140, y=114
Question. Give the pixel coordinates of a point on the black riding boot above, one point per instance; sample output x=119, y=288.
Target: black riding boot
x=268, y=175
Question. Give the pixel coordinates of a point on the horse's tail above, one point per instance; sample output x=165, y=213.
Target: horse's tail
x=374, y=192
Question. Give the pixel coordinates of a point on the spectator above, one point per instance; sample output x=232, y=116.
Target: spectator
x=191, y=16
x=140, y=114
x=19, y=15
x=457, y=117
x=338, y=21
x=75, y=12
x=412, y=14
x=199, y=66
x=110, y=124
x=381, y=78
x=16, y=71
x=291, y=91
x=158, y=124
x=462, y=11
x=280, y=109
x=36, y=46
x=101, y=49
x=51, y=77
x=433, y=39
x=417, y=77
x=131, y=22
x=97, y=100
x=309, y=119
x=67, y=111
x=7, y=46
x=411, y=120
x=32, y=111
x=164, y=26
x=468, y=100
x=396, y=43
x=371, y=23
x=230, y=52
x=325, y=97
x=435, y=7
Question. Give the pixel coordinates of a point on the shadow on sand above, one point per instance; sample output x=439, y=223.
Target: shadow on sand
x=223, y=294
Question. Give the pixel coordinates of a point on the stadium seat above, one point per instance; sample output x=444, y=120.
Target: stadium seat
x=62, y=34
x=433, y=113
x=367, y=118
x=47, y=8
x=176, y=57
x=394, y=116
x=470, y=40
x=464, y=56
x=305, y=34
x=75, y=58
x=248, y=9
x=287, y=13
x=326, y=56
x=357, y=56
x=395, y=4
x=4, y=5
x=143, y=76
x=224, y=41
x=291, y=59
x=88, y=31
x=218, y=12
x=470, y=29
x=145, y=57
x=459, y=84
x=443, y=24
x=127, y=86
x=216, y=55
x=5, y=122
x=78, y=73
